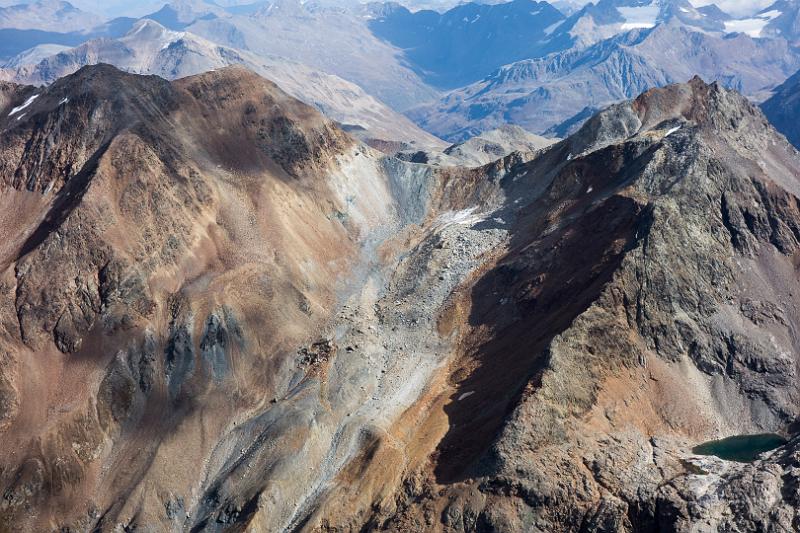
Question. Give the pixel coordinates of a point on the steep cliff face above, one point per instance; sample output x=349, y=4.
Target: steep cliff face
x=218, y=312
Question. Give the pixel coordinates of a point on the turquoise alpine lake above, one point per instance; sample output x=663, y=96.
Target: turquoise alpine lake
x=741, y=448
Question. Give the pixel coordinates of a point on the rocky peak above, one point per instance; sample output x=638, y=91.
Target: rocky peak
x=88, y=109
x=147, y=29
x=291, y=133
x=708, y=107
x=56, y=130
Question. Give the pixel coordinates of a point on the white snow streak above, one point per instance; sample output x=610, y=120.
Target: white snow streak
x=28, y=102
x=467, y=217
x=752, y=26
x=639, y=17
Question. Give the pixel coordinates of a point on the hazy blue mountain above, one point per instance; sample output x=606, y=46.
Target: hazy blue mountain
x=466, y=43
x=783, y=109
x=48, y=15
x=324, y=36
x=540, y=94
x=25, y=26
x=714, y=12
x=180, y=14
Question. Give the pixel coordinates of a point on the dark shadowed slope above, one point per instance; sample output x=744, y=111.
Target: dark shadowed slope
x=783, y=109
x=468, y=42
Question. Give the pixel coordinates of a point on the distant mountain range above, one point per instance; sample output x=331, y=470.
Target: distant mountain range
x=150, y=48
x=456, y=72
x=48, y=15
x=539, y=94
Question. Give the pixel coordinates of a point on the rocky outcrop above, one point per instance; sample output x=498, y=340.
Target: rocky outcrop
x=481, y=150
x=171, y=250
x=621, y=325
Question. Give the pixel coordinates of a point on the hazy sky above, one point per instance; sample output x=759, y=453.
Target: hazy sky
x=141, y=7
x=736, y=7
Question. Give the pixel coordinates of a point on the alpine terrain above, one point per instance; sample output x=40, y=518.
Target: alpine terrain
x=334, y=266
x=220, y=312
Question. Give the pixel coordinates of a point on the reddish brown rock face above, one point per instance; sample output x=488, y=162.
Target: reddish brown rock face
x=220, y=312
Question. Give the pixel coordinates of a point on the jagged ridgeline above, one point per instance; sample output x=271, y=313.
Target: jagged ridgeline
x=220, y=312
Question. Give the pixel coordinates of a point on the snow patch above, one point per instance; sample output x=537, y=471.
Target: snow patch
x=64, y=101
x=466, y=395
x=465, y=217
x=639, y=17
x=752, y=26
x=636, y=26
x=671, y=131
x=552, y=27
x=28, y=102
x=772, y=14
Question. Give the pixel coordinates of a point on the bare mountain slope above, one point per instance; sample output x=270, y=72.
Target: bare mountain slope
x=175, y=255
